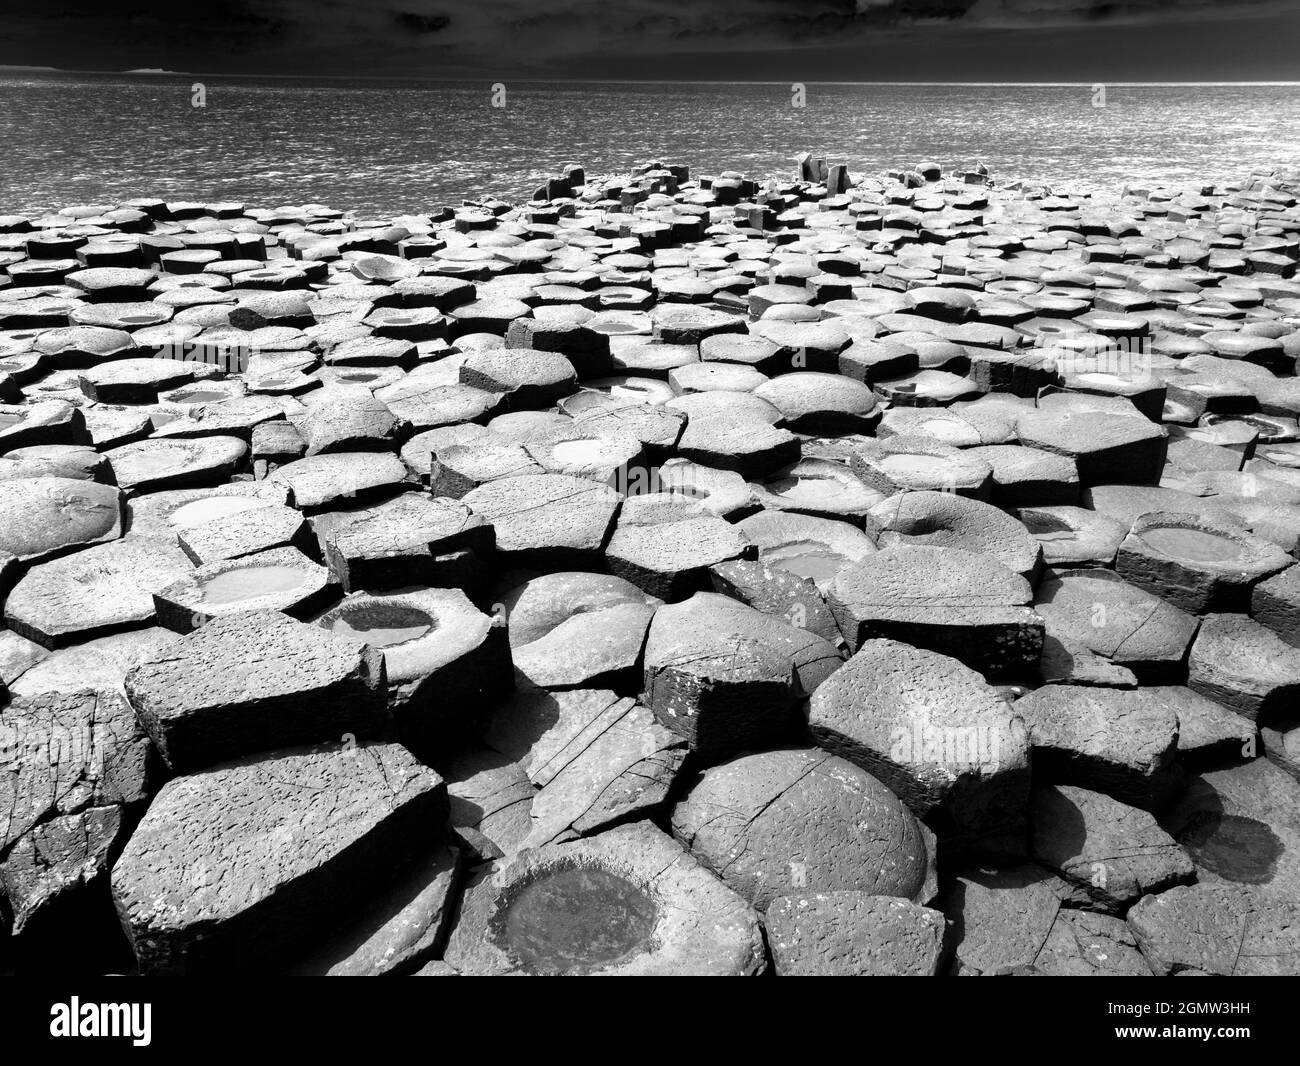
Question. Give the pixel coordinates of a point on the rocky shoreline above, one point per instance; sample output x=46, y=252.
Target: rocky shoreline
x=672, y=574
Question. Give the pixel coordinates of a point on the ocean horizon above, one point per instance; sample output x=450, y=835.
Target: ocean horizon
x=398, y=145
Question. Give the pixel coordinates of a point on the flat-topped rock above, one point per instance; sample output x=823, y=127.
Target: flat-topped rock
x=1241, y=664
x=154, y=465
x=1073, y=536
x=727, y=677
x=664, y=544
x=1114, y=853
x=549, y=519
x=936, y=735
x=254, y=682
x=279, y=579
x=764, y=822
x=571, y=630
x=1104, y=447
x=319, y=481
x=807, y=546
x=403, y=541
x=629, y=901
x=47, y=516
x=854, y=934
x=946, y=520
x=445, y=661
x=94, y=591
x=948, y=600
x=1219, y=929
x=1098, y=610
x=1116, y=741
x=100, y=664
x=260, y=858
x=1199, y=563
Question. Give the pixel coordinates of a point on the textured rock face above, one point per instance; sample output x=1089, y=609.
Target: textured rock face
x=630, y=901
x=963, y=604
x=853, y=934
x=255, y=859
x=767, y=823
x=1115, y=741
x=726, y=677
x=932, y=731
x=254, y=682
x=378, y=594
x=75, y=768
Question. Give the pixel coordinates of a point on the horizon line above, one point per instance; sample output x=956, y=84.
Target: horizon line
x=146, y=72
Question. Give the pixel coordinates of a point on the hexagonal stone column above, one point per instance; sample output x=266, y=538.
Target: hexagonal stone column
x=251, y=862
x=254, y=682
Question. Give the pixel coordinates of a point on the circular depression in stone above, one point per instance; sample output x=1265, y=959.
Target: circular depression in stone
x=616, y=327
x=201, y=396
x=808, y=489
x=213, y=507
x=584, y=451
x=915, y=466
x=575, y=919
x=1197, y=545
x=140, y=320
x=249, y=583
x=381, y=625
x=806, y=558
x=1048, y=527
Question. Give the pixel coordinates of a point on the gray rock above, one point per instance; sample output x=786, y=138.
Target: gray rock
x=937, y=736
x=1235, y=661
x=804, y=819
x=665, y=545
x=1097, y=610
x=1196, y=562
x=947, y=600
x=42, y=517
x=1115, y=853
x=1115, y=741
x=547, y=519
x=280, y=579
x=93, y=592
x=1221, y=929
x=629, y=901
x=728, y=678
x=252, y=862
x=576, y=630
x=396, y=931
x=445, y=661
x=596, y=758
x=854, y=934
x=254, y=682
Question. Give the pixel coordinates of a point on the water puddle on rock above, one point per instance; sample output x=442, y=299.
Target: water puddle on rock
x=806, y=559
x=586, y=452
x=382, y=625
x=212, y=507
x=915, y=466
x=577, y=919
x=201, y=396
x=250, y=583
x=1195, y=545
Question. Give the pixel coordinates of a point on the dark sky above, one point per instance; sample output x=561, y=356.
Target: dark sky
x=805, y=40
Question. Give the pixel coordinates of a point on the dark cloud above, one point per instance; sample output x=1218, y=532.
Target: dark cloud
x=849, y=39
x=409, y=20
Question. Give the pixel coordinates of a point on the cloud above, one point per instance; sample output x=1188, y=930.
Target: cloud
x=564, y=37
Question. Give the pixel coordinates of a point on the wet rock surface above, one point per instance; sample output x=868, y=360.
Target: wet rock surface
x=867, y=535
